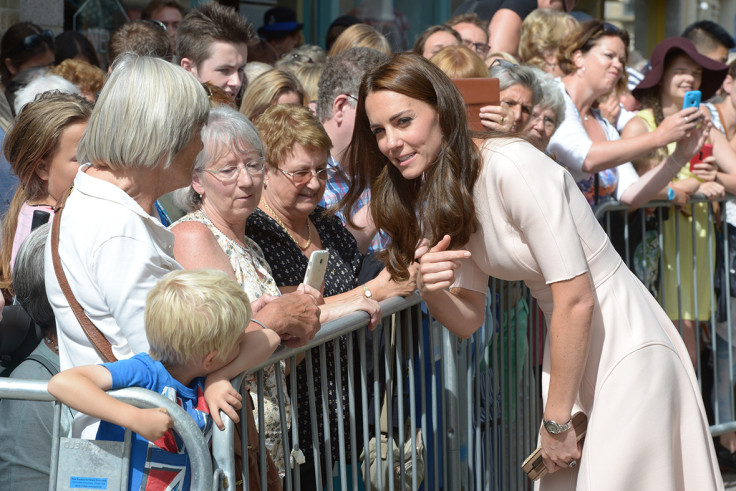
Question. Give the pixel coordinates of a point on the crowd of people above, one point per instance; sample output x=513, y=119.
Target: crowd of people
x=188, y=179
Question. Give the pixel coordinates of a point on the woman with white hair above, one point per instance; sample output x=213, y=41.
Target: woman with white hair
x=140, y=143
x=548, y=113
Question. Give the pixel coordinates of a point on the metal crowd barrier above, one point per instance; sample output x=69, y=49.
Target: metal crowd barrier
x=474, y=404
x=202, y=478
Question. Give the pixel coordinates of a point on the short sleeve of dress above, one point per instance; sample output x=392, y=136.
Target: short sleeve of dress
x=543, y=203
x=539, y=198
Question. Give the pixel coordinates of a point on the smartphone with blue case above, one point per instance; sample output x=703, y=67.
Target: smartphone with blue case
x=692, y=99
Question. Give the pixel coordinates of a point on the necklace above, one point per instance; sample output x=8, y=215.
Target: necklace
x=278, y=220
x=220, y=230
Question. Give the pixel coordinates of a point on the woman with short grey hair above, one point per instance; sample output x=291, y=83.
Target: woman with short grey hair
x=140, y=143
x=548, y=113
x=519, y=93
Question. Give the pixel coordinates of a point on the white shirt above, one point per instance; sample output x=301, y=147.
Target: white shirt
x=113, y=253
x=571, y=144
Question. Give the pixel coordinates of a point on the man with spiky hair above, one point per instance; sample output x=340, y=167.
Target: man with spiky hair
x=212, y=44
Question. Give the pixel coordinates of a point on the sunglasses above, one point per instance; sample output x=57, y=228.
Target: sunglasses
x=34, y=41
x=157, y=23
x=503, y=63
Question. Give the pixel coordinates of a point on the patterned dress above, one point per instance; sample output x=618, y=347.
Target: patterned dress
x=289, y=264
x=248, y=262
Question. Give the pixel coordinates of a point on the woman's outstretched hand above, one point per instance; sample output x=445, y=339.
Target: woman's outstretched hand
x=437, y=265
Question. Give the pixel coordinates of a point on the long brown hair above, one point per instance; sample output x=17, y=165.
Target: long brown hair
x=33, y=138
x=440, y=202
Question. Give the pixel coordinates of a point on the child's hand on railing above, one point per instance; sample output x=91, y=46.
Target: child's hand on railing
x=220, y=395
x=153, y=423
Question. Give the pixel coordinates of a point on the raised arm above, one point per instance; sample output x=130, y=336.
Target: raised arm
x=504, y=31
x=651, y=184
x=83, y=389
x=636, y=143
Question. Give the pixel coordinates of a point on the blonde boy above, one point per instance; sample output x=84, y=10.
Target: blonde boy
x=195, y=326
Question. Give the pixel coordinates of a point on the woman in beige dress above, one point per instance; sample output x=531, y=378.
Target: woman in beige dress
x=507, y=210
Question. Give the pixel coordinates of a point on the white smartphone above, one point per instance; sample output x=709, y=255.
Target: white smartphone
x=316, y=268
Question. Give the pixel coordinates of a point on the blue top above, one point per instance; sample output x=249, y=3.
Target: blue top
x=162, y=464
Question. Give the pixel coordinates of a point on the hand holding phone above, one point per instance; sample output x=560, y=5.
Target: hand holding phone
x=315, y=274
x=704, y=152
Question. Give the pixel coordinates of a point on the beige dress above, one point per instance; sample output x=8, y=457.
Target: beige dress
x=647, y=427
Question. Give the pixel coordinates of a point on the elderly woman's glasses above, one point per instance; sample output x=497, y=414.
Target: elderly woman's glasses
x=304, y=176
x=231, y=173
x=33, y=41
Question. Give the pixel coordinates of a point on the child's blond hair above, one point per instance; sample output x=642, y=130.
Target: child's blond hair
x=192, y=313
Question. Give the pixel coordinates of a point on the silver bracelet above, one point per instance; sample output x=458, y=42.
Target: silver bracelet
x=259, y=323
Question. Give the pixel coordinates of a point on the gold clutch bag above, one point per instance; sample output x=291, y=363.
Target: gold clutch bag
x=534, y=467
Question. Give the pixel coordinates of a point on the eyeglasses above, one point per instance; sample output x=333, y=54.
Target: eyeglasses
x=304, y=176
x=548, y=122
x=479, y=48
x=352, y=97
x=231, y=173
x=34, y=41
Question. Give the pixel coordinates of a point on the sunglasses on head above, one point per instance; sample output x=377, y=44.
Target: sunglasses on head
x=34, y=41
x=157, y=23
x=503, y=63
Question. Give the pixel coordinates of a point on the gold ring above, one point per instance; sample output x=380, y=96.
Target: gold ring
x=502, y=119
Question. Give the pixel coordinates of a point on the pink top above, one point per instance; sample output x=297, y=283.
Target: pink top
x=23, y=230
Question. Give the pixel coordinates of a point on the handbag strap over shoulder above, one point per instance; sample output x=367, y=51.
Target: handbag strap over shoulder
x=98, y=340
